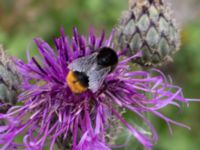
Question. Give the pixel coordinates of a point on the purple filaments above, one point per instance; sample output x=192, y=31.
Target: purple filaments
x=50, y=110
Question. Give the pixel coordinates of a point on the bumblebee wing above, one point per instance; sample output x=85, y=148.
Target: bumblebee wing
x=83, y=64
x=97, y=77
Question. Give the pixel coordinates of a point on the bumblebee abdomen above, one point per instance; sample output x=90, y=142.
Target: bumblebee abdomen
x=82, y=78
x=77, y=81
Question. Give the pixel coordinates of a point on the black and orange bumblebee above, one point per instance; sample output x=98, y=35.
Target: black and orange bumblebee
x=89, y=72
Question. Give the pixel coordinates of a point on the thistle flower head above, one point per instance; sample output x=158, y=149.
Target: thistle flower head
x=51, y=110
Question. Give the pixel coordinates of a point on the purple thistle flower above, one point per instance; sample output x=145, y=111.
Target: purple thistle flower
x=51, y=110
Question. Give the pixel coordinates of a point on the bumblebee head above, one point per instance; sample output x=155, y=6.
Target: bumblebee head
x=107, y=57
x=78, y=82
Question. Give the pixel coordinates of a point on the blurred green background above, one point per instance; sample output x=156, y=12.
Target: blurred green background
x=22, y=20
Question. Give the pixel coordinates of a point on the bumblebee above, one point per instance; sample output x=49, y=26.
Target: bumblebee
x=89, y=72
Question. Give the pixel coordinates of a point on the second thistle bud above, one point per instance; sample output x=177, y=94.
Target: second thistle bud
x=148, y=27
x=9, y=81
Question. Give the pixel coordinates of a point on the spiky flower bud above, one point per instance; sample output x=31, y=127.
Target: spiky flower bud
x=148, y=26
x=9, y=82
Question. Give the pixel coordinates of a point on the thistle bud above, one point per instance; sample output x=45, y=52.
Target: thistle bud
x=9, y=82
x=148, y=27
